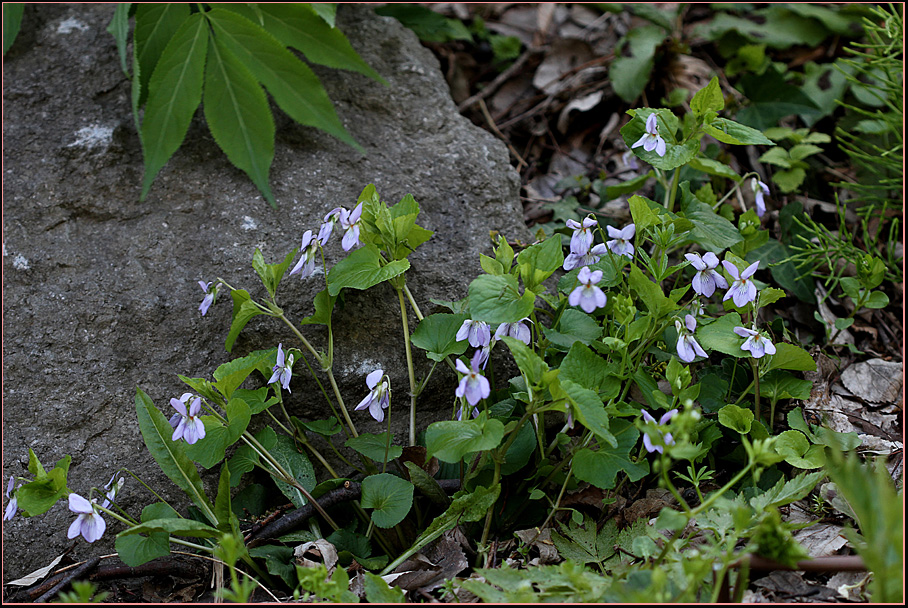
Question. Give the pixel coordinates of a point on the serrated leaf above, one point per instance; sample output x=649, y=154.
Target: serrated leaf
x=630, y=74
x=708, y=99
x=497, y=299
x=170, y=455
x=720, y=335
x=427, y=484
x=238, y=115
x=731, y=132
x=244, y=309
x=736, y=418
x=298, y=26
x=583, y=544
x=174, y=93
x=589, y=411
x=538, y=262
x=296, y=464
x=375, y=446
x=156, y=24
x=587, y=369
x=789, y=356
x=601, y=467
x=118, y=28
x=437, y=335
x=293, y=85
x=229, y=376
x=451, y=440
x=711, y=231
x=389, y=497
x=797, y=451
x=271, y=274
x=573, y=327
x=179, y=527
x=135, y=549
x=361, y=270
x=675, y=155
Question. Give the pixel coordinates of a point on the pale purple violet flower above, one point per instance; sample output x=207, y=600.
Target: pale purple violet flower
x=760, y=189
x=620, y=243
x=651, y=140
x=743, y=289
x=459, y=415
x=477, y=332
x=187, y=425
x=667, y=438
x=112, y=490
x=587, y=295
x=89, y=523
x=484, y=353
x=473, y=385
x=350, y=222
x=13, y=505
x=518, y=330
x=283, y=369
x=577, y=260
x=582, y=239
x=706, y=279
x=688, y=347
x=756, y=343
x=324, y=231
x=211, y=295
x=309, y=248
x=379, y=397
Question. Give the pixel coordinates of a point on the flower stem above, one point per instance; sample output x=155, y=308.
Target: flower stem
x=673, y=193
x=756, y=367
x=412, y=377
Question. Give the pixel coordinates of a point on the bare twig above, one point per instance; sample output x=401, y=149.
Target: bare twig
x=79, y=572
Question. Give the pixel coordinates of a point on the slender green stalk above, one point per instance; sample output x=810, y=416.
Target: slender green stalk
x=337, y=395
x=410, y=374
x=756, y=367
x=673, y=193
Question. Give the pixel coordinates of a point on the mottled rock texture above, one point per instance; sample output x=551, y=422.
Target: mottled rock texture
x=100, y=290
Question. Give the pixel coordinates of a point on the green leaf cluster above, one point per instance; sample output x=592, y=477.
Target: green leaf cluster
x=225, y=56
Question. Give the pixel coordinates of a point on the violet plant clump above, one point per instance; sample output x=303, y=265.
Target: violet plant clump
x=623, y=368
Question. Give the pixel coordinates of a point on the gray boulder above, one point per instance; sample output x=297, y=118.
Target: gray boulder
x=100, y=290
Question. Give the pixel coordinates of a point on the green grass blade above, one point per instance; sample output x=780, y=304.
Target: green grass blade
x=119, y=29
x=294, y=86
x=156, y=24
x=170, y=454
x=238, y=115
x=175, y=90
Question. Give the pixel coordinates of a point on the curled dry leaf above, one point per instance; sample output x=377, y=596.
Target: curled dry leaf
x=307, y=554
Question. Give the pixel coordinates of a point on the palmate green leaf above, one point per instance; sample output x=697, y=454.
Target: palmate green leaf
x=156, y=24
x=118, y=28
x=170, y=455
x=175, y=90
x=601, y=467
x=12, y=21
x=583, y=544
x=293, y=85
x=238, y=115
x=389, y=497
x=437, y=335
x=361, y=270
